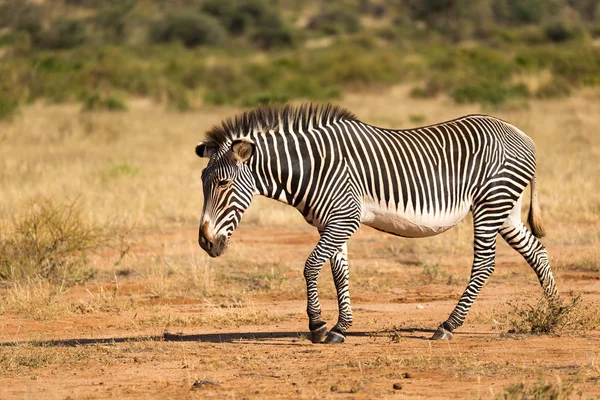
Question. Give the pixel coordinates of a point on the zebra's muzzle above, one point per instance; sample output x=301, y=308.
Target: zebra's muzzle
x=214, y=246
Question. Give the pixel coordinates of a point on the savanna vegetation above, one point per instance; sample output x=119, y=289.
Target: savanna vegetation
x=101, y=278
x=186, y=54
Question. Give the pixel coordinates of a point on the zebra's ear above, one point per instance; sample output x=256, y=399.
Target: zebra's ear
x=204, y=151
x=242, y=149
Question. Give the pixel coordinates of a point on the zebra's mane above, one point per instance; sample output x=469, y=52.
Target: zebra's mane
x=266, y=117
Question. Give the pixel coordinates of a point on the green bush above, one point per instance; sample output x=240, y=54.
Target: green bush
x=241, y=16
x=273, y=32
x=223, y=10
x=488, y=92
x=64, y=33
x=98, y=102
x=335, y=21
x=190, y=28
x=7, y=107
x=16, y=13
x=556, y=88
x=559, y=31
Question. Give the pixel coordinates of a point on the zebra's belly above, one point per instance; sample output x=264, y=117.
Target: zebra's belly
x=409, y=223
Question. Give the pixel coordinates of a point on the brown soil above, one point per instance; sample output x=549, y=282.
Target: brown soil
x=115, y=354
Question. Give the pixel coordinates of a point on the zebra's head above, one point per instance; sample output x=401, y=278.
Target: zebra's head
x=228, y=190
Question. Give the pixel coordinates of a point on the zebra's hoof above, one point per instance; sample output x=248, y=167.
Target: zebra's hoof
x=317, y=334
x=334, y=337
x=442, y=334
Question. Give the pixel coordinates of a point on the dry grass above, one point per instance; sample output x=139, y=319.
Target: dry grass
x=540, y=390
x=53, y=242
x=571, y=315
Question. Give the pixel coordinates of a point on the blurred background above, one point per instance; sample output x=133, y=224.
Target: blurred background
x=185, y=54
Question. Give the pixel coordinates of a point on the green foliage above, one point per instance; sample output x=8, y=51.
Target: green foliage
x=559, y=31
x=262, y=24
x=207, y=50
x=7, y=107
x=525, y=11
x=190, y=28
x=488, y=92
x=64, y=33
x=97, y=102
x=556, y=88
x=335, y=21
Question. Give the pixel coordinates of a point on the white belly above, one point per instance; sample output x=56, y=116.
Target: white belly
x=408, y=223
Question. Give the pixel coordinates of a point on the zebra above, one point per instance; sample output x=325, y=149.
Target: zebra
x=340, y=173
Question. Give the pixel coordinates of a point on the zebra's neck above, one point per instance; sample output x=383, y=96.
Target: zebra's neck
x=274, y=171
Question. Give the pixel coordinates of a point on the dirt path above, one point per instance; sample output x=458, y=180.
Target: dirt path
x=185, y=347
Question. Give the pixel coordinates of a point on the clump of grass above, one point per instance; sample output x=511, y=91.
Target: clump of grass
x=52, y=242
x=431, y=272
x=541, y=390
x=36, y=300
x=553, y=316
x=27, y=357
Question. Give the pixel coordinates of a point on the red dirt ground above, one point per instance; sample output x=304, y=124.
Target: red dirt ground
x=113, y=354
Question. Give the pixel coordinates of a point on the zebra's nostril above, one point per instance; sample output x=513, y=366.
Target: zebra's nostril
x=209, y=244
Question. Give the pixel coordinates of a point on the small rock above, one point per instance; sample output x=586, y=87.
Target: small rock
x=420, y=306
x=406, y=375
x=397, y=386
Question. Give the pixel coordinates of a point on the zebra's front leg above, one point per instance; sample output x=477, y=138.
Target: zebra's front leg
x=333, y=238
x=341, y=278
x=318, y=328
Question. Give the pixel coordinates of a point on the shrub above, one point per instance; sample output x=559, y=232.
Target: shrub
x=553, y=316
x=52, y=242
x=335, y=21
x=556, y=88
x=274, y=33
x=488, y=92
x=241, y=16
x=97, y=102
x=15, y=13
x=7, y=107
x=190, y=28
x=251, y=13
x=223, y=10
x=64, y=33
x=559, y=31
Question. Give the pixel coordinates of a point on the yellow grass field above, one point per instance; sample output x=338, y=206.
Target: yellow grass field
x=166, y=321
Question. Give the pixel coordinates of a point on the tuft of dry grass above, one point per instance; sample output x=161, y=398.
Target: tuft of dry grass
x=540, y=390
x=37, y=300
x=52, y=242
x=552, y=316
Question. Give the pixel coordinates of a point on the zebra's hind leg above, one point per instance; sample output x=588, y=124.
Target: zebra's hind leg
x=522, y=240
x=339, y=269
x=486, y=226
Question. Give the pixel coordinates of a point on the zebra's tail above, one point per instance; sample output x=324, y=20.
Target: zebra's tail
x=535, y=214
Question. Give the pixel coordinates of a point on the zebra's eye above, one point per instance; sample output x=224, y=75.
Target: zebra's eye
x=223, y=183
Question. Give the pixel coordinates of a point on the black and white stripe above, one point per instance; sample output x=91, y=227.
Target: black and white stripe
x=340, y=173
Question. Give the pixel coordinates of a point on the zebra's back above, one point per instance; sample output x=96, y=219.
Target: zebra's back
x=422, y=181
